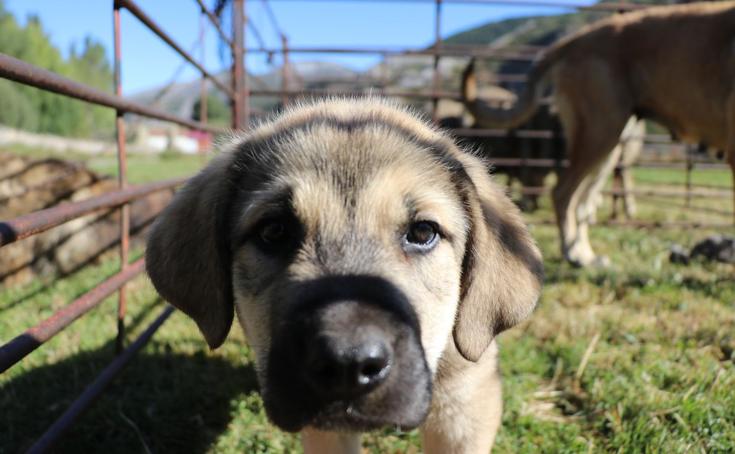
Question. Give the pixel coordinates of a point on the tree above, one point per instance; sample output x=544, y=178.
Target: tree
x=218, y=113
x=37, y=110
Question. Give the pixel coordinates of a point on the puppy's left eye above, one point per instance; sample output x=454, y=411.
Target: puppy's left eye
x=422, y=236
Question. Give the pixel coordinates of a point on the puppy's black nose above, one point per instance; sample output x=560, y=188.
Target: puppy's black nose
x=347, y=366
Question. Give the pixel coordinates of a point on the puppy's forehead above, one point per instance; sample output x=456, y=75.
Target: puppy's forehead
x=336, y=152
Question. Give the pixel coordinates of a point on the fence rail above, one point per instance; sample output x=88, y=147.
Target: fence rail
x=40, y=221
x=19, y=71
x=31, y=224
x=22, y=345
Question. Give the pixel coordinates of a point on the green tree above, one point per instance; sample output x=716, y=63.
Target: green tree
x=218, y=113
x=37, y=110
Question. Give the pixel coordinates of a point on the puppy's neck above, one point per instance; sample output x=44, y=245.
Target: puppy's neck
x=318, y=442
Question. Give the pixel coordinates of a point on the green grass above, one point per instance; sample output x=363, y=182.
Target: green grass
x=711, y=177
x=142, y=168
x=147, y=168
x=660, y=376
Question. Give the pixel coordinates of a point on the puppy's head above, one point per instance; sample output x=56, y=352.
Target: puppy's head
x=356, y=244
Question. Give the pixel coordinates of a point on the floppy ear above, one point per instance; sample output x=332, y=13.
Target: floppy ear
x=502, y=267
x=187, y=257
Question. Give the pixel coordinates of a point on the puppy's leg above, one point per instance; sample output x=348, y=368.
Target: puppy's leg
x=319, y=442
x=466, y=405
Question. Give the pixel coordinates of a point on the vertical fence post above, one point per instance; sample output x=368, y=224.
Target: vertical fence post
x=122, y=166
x=203, y=109
x=688, y=177
x=203, y=87
x=238, y=49
x=437, y=45
x=245, y=83
x=284, y=71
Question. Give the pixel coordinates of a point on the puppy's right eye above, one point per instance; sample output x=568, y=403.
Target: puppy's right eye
x=271, y=232
x=277, y=235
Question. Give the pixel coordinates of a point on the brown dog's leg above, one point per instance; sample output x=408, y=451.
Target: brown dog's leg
x=572, y=192
x=730, y=150
x=731, y=159
x=592, y=125
x=632, y=142
x=466, y=406
x=592, y=186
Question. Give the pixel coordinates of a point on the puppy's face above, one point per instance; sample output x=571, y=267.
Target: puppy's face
x=353, y=241
x=348, y=235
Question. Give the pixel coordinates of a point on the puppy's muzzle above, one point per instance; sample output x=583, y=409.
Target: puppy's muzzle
x=347, y=354
x=349, y=357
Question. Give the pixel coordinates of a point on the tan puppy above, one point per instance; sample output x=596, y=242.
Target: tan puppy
x=673, y=64
x=371, y=264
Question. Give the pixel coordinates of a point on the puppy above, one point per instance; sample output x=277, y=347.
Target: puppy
x=370, y=262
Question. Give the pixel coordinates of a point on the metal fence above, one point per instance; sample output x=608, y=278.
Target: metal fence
x=24, y=226
x=522, y=53
x=238, y=93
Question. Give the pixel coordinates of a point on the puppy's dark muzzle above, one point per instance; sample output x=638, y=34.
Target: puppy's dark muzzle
x=346, y=363
x=346, y=354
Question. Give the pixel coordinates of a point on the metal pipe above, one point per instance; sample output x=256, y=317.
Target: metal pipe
x=238, y=33
x=373, y=91
x=57, y=429
x=122, y=181
x=203, y=108
x=19, y=71
x=436, y=76
x=606, y=7
x=215, y=21
x=40, y=221
x=527, y=54
x=328, y=92
x=652, y=224
x=19, y=347
x=541, y=190
x=152, y=26
x=284, y=71
x=244, y=68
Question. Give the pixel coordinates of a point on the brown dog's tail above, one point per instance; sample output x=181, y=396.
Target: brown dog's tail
x=498, y=117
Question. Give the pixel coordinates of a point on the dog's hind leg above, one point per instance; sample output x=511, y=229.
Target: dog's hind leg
x=730, y=148
x=592, y=128
x=591, y=188
x=632, y=141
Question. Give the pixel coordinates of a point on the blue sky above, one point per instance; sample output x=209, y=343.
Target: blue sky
x=147, y=62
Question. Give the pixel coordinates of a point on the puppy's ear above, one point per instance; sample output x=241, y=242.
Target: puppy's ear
x=502, y=268
x=187, y=257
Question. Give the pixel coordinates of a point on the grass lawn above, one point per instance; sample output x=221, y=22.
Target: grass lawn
x=659, y=341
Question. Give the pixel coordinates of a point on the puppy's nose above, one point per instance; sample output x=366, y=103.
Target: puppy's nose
x=345, y=368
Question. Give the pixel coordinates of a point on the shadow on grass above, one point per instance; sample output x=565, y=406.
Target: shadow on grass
x=162, y=402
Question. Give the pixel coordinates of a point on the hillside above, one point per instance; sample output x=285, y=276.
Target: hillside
x=406, y=72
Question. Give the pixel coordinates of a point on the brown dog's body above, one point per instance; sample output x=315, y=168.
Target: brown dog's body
x=370, y=261
x=673, y=64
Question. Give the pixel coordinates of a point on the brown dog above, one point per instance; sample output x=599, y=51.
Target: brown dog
x=673, y=64
x=370, y=262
